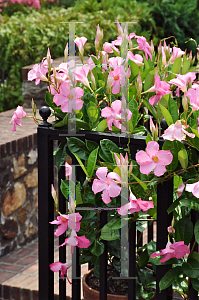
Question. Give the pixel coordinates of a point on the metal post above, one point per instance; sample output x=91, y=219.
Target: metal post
x=45, y=214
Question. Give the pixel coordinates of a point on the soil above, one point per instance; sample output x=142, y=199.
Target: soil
x=114, y=286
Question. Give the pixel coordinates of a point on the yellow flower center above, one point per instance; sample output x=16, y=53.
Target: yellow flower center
x=70, y=97
x=155, y=159
x=116, y=77
x=63, y=219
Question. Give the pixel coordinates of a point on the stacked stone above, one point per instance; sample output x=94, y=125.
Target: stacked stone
x=18, y=193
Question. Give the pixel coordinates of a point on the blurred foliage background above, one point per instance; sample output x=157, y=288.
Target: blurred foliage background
x=25, y=34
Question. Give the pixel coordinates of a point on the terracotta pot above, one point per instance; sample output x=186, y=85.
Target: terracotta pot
x=91, y=294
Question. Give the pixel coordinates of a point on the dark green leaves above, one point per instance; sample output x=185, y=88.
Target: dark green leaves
x=107, y=147
x=170, y=277
x=184, y=230
x=60, y=155
x=78, y=147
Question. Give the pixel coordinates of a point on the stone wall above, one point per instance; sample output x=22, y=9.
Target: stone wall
x=18, y=193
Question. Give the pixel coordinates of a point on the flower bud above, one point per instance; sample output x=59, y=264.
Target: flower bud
x=49, y=60
x=163, y=57
x=97, y=44
x=170, y=229
x=54, y=195
x=119, y=28
x=130, y=168
x=139, y=85
x=66, y=53
x=185, y=103
x=154, y=130
x=109, y=83
x=99, y=34
x=93, y=81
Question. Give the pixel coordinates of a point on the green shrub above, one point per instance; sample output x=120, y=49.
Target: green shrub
x=24, y=38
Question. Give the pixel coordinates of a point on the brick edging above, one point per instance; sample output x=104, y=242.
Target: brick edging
x=19, y=145
x=12, y=293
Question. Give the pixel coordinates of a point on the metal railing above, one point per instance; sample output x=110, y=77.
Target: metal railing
x=46, y=136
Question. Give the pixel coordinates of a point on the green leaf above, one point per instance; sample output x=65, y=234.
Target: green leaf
x=173, y=147
x=91, y=145
x=173, y=109
x=196, y=231
x=92, y=112
x=60, y=154
x=80, y=123
x=107, y=146
x=81, y=164
x=191, y=204
x=176, y=66
x=48, y=99
x=143, y=185
x=173, y=206
x=92, y=162
x=191, y=268
x=143, y=259
x=194, y=142
x=151, y=109
x=133, y=107
x=183, y=158
x=78, y=147
x=148, y=138
x=134, y=69
x=102, y=125
x=64, y=187
x=195, y=283
x=195, y=255
x=149, y=81
x=166, y=115
x=111, y=231
x=98, y=248
x=170, y=277
x=62, y=122
x=184, y=230
x=78, y=193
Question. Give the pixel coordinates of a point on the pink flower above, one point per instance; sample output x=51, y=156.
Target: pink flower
x=183, y=81
x=17, y=117
x=68, y=170
x=81, y=74
x=38, y=73
x=144, y=45
x=180, y=190
x=75, y=240
x=107, y=184
x=116, y=73
x=108, y=47
x=170, y=229
x=58, y=266
x=114, y=115
x=115, y=62
x=69, y=98
x=134, y=205
x=193, y=188
x=193, y=95
x=80, y=42
x=137, y=58
x=177, y=52
x=153, y=159
x=177, y=132
x=71, y=220
x=177, y=249
x=161, y=88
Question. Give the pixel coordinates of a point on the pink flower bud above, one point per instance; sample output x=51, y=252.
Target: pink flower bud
x=99, y=34
x=97, y=44
x=66, y=53
x=170, y=229
x=139, y=85
x=93, y=81
x=154, y=130
x=130, y=168
x=185, y=103
x=119, y=28
x=109, y=82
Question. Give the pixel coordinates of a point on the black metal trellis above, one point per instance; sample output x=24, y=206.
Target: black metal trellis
x=46, y=136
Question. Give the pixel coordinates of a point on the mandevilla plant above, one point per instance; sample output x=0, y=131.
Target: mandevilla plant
x=126, y=87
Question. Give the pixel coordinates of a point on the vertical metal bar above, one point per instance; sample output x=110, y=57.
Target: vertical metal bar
x=45, y=214
x=62, y=250
x=164, y=200
x=150, y=231
x=103, y=261
x=132, y=263
x=194, y=217
x=76, y=275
